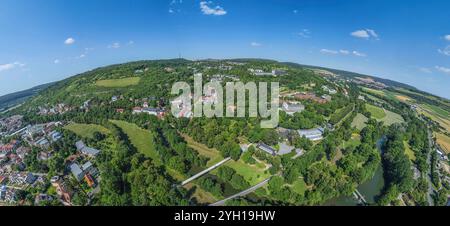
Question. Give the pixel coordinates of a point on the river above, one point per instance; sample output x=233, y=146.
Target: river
x=369, y=189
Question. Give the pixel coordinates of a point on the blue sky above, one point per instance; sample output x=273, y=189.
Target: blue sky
x=48, y=40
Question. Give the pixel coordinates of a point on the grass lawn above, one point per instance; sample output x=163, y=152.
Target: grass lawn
x=377, y=112
x=299, y=186
x=252, y=174
x=354, y=141
x=86, y=130
x=140, y=138
x=409, y=152
x=360, y=121
x=117, y=83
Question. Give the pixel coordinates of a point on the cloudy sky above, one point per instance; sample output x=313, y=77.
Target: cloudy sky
x=48, y=40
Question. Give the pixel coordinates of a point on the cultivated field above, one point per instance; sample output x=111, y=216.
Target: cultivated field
x=360, y=121
x=377, y=112
x=117, y=83
x=386, y=116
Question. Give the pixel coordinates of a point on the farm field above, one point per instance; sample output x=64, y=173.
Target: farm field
x=117, y=83
x=377, y=112
x=443, y=141
x=392, y=118
x=360, y=121
x=386, y=116
x=86, y=130
x=140, y=138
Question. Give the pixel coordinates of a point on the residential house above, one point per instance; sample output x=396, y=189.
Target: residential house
x=77, y=172
x=86, y=150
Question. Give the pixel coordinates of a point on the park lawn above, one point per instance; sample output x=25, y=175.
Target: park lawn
x=409, y=152
x=360, y=121
x=376, y=112
x=299, y=186
x=140, y=138
x=86, y=130
x=117, y=83
x=251, y=173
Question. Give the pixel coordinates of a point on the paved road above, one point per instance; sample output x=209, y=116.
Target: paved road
x=242, y=193
x=205, y=171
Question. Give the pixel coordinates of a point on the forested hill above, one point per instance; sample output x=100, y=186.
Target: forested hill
x=348, y=74
x=12, y=99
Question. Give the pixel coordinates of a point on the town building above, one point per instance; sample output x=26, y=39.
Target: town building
x=92, y=152
x=266, y=148
x=312, y=134
x=292, y=107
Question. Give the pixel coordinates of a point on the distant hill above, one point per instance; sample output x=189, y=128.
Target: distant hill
x=348, y=74
x=9, y=100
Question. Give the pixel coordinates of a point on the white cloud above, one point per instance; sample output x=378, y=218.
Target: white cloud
x=10, y=66
x=305, y=33
x=171, y=11
x=82, y=56
x=372, y=33
x=115, y=45
x=56, y=61
x=365, y=34
x=447, y=37
x=69, y=41
x=425, y=70
x=443, y=69
x=207, y=10
x=356, y=53
x=295, y=11
x=329, y=51
x=255, y=44
x=342, y=52
x=131, y=42
x=445, y=51
x=345, y=52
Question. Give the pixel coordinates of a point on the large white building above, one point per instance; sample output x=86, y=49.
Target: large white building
x=312, y=134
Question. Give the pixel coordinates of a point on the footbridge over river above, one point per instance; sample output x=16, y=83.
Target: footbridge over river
x=187, y=181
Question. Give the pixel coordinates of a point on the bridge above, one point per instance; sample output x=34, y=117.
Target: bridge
x=187, y=181
x=360, y=197
x=242, y=193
